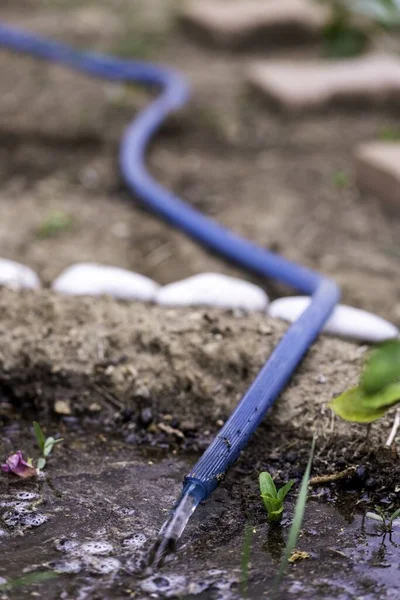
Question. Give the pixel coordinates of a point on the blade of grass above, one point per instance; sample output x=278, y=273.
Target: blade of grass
x=248, y=536
x=28, y=580
x=297, y=522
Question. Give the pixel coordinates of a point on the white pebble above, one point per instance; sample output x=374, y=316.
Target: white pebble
x=91, y=279
x=17, y=276
x=345, y=321
x=213, y=289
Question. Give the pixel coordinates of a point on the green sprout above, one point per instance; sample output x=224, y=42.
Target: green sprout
x=378, y=389
x=297, y=521
x=46, y=445
x=389, y=134
x=341, y=179
x=56, y=223
x=385, y=522
x=273, y=499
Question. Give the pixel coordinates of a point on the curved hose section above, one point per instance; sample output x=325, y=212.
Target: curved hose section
x=226, y=447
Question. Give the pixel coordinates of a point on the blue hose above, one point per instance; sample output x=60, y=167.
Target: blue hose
x=232, y=438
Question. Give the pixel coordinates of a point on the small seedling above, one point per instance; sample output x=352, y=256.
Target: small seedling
x=273, y=499
x=378, y=389
x=46, y=445
x=341, y=179
x=56, y=223
x=297, y=522
x=389, y=134
x=385, y=522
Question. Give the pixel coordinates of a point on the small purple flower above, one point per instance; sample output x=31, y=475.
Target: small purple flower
x=17, y=465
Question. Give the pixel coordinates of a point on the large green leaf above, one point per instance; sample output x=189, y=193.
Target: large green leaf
x=357, y=406
x=382, y=368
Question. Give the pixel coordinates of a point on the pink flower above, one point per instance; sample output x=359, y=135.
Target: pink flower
x=17, y=465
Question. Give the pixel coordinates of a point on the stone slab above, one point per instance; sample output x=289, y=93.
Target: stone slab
x=237, y=24
x=377, y=167
x=314, y=85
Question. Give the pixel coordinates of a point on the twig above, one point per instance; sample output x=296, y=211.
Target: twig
x=318, y=479
x=111, y=399
x=395, y=427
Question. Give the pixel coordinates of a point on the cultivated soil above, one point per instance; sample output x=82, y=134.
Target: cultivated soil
x=138, y=392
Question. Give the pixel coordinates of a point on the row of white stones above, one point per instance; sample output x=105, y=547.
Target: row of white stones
x=206, y=289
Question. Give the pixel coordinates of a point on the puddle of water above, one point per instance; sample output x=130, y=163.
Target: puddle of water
x=97, y=533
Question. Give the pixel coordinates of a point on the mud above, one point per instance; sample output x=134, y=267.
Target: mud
x=137, y=391
x=145, y=389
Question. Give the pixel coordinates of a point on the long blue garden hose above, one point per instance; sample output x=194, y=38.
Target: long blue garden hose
x=226, y=447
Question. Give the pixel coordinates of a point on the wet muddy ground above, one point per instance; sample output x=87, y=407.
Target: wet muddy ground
x=143, y=389
x=137, y=392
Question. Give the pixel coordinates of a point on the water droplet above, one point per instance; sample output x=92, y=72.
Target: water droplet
x=137, y=564
x=102, y=566
x=96, y=548
x=125, y=511
x=34, y=519
x=137, y=540
x=22, y=508
x=26, y=495
x=6, y=504
x=11, y=519
x=65, y=545
x=169, y=585
x=67, y=566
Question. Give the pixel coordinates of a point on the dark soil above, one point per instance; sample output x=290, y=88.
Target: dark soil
x=137, y=391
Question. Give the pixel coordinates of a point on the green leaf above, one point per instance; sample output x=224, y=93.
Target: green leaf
x=375, y=517
x=48, y=446
x=343, y=41
x=382, y=368
x=283, y=492
x=41, y=463
x=271, y=504
x=58, y=441
x=385, y=12
x=274, y=507
x=29, y=579
x=39, y=435
x=394, y=515
x=357, y=406
x=267, y=485
x=297, y=521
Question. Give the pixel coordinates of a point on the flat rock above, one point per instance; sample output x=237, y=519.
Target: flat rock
x=16, y=276
x=213, y=289
x=377, y=166
x=237, y=24
x=91, y=279
x=345, y=321
x=313, y=85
